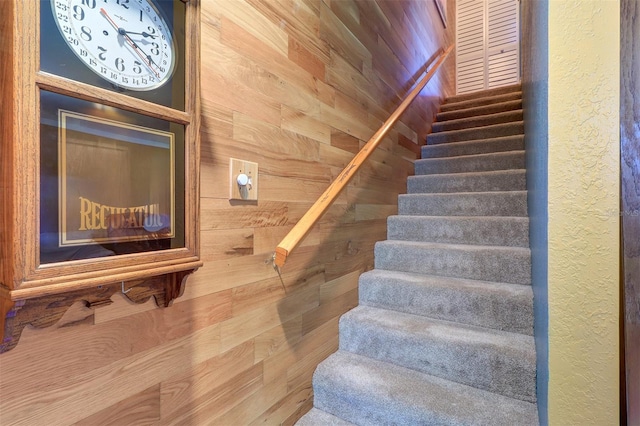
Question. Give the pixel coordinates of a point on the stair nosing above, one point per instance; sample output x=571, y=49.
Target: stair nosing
x=453, y=218
x=448, y=102
x=513, y=152
x=514, y=102
x=509, y=123
x=469, y=174
x=446, y=323
x=478, y=141
x=418, y=276
x=480, y=117
x=451, y=194
x=472, y=247
x=494, y=91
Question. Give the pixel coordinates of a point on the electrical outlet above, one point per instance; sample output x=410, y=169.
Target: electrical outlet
x=243, y=180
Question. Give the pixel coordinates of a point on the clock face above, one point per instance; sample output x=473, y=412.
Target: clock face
x=126, y=42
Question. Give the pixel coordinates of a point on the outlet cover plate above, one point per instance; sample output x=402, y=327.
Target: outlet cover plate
x=248, y=192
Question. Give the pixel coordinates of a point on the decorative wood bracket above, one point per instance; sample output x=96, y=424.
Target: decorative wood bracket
x=45, y=311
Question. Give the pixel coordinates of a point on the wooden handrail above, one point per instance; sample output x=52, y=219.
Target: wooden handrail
x=304, y=225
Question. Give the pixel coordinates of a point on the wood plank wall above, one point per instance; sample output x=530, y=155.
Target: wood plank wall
x=296, y=86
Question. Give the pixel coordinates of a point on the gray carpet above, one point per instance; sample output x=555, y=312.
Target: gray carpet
x=443, y=334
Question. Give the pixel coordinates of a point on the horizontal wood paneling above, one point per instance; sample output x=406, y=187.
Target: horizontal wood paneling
x=297, y=86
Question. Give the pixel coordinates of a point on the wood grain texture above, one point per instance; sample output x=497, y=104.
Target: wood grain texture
x=297, y=86
x=630, y=215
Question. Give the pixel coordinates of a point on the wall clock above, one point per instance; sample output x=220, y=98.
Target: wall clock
x=128, y=43
x=100, y=156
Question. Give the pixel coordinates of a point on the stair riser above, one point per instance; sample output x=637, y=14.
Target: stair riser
x=511, y=232
x=483, y=110
x=514, y=88
x=509, y=143
x=478, y=121
x=511, y=265
x=511, y=160
x=497, y=306
x=370, y=392
x=467, y=182
x=495, y=131
x=473, y=103
x=439, y=351
x=464, y=204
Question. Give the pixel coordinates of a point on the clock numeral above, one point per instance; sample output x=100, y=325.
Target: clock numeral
x=120, y=64
x=123, y=3
x=155, y=49
x=62, y=17
x=66, y=29
x=78, y=12
x=102, y=55
x=60, y=5
x=114, y=76
x=91, y=4
x=73, y=40
x=103, y=70
x=141, y=16
x=93, y=62
x=137, y=68
x=84, y=53
x=151, y=30
x=85, y=33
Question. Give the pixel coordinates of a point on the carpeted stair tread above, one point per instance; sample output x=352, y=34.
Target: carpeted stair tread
x=481, y=146
x=481, y=101
x=494, y=180
x=478, y=121
x=507, y=160
x=479, y=230
x=316, y=417
x=488, y=263
x=501, y=306
x=480, y=110
x=486, y=132
x=494, y=203
x=492, y=360
x=484, y=93
x=370, y=392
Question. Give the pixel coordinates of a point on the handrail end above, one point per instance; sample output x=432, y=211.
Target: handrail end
x=280, y=257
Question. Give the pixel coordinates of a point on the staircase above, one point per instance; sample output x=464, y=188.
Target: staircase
x=444, y=330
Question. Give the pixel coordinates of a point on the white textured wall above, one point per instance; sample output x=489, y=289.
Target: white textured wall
x=584, y=173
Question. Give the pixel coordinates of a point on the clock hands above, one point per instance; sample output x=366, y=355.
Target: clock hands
x=143, y=34
x=148, y=61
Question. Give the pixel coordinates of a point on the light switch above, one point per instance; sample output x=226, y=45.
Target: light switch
x=243, y=180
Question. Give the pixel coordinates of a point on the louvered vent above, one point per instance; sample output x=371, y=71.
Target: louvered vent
x=487, y=40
